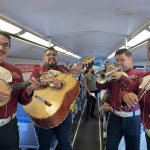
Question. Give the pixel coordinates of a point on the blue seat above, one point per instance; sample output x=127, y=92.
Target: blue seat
x=27, y=134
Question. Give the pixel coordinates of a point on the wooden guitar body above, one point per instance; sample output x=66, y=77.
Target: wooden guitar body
x=5, y=87
x=5, y=77
x=50, y=106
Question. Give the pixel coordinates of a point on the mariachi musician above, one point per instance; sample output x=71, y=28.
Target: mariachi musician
x=141, y=88
x=9, y=98
x=62, y=130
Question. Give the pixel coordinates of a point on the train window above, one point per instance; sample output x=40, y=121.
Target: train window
x=142, y=68
x=147, y=67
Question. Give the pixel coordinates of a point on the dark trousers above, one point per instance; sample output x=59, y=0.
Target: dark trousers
x=62, y=132
x=129, y=127
x=90, y=105
x=148, y=141
x=9, y=136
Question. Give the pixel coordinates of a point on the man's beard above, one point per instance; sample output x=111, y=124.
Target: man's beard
x=51, y=65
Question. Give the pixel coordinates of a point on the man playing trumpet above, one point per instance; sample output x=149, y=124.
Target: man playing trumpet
x=122, y=121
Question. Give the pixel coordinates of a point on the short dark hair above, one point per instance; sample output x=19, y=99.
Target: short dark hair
x=6, y=35
x=50, y=48
x=88, y=67
x=123, y=51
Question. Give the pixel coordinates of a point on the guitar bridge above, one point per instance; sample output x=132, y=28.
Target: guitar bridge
x=42, y=100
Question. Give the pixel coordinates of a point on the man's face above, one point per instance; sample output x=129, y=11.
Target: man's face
x=124, y=61
x=4, y=47
x=50, y=58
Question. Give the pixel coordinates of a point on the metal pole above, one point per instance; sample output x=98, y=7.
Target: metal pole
x=125, y=42
x=50, y=41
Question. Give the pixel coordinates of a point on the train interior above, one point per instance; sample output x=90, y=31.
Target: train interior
x=76, y=29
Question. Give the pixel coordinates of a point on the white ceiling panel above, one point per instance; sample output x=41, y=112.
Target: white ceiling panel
x=86, y=27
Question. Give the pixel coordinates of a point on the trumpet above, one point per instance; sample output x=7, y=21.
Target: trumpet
x=102, y=76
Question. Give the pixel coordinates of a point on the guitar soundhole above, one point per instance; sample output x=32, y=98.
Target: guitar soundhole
x=62, y=86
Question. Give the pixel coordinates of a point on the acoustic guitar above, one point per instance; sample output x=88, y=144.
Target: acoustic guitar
x=50, y=106
x=5, y=77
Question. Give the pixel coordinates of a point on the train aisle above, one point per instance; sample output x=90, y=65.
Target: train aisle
x=85, y=135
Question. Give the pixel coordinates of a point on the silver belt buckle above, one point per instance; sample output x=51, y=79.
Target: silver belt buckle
x=125, y=114
x=4, y=121
x=7, y=120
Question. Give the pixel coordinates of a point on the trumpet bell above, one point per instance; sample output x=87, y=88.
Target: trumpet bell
x=101, y=77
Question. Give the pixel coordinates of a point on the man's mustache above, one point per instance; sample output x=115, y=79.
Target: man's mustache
x=1, y=51
x=49, y=60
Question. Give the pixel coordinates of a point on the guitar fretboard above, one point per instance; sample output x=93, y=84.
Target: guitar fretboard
x=19, y=86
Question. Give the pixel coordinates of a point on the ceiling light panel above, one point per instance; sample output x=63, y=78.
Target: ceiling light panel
x=59, y=49
x=35, y=39
x=142, y=36
x=112, y=55
x=5, y=26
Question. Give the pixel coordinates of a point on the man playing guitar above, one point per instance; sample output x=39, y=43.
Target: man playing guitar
x=62, y=130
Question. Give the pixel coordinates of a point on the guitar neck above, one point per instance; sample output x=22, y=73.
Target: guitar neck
x=19, y=86
x=77, y=70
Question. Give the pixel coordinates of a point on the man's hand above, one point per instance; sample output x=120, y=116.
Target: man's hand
x=77, y=69
x=116, y=75
x=90, y=93
x=130, y=99
x=35, y=84
x=57, y=84
x=106, y=107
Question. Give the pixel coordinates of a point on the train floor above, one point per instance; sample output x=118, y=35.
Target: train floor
x=85, y=135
